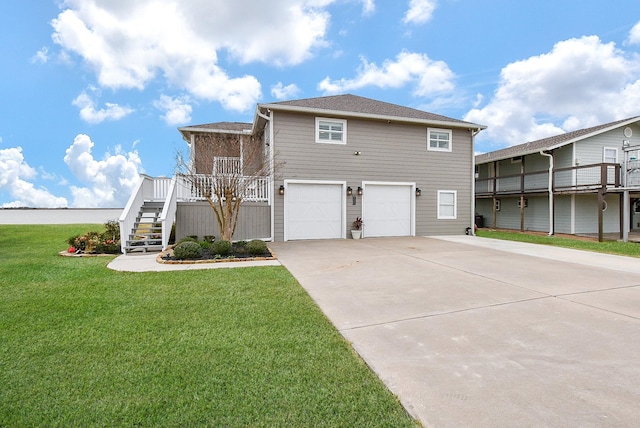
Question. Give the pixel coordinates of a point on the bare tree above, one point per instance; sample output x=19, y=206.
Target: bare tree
x=225, y=169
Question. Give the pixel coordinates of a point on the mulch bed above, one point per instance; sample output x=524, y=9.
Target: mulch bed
x=237, y=255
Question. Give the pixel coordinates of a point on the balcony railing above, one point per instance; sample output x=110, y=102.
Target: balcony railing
x=193, y=188
x=583, y=178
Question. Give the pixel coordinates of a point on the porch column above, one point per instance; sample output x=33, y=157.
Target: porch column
x=600, y=215
x=625, y=216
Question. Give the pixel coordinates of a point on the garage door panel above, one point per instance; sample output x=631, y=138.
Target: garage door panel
x=314, y=211
x=388, y=210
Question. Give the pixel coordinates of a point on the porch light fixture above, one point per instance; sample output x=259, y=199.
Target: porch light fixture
x=281, y=190
x=349, y=191
x=359, y=191
x=418, y=191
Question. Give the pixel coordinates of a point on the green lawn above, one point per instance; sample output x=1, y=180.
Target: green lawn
x=631, y=249
x=81, y=345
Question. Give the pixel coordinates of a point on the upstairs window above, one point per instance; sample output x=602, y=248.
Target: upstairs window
x=331, y=131
x=439, y=140
x=610, y=155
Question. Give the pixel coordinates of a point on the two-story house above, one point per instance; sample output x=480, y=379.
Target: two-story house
x=585, y=182
x=404, y=171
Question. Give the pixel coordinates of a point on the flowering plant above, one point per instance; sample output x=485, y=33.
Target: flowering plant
x=357, y=223
x=106, y=242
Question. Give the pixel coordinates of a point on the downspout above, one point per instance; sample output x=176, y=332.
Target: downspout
x=550, y=156
x=474, y=132
x=271, y=171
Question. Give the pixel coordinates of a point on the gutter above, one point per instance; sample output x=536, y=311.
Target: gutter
x=272, y=192
x=550, y=189
x=474, y=132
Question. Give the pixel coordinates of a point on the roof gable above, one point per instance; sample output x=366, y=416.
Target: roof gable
x=551, y=143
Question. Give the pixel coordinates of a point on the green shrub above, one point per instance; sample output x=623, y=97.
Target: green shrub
x=187, y=239
x=209, y=238
x=205, y=245
x=256, y=247
x=222, y=247
x=111, y=231
x=187, y=250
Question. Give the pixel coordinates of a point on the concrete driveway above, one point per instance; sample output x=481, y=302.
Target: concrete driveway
x=470, y=335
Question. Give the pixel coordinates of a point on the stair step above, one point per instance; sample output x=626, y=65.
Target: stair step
x=142, y=248
x=153, y=204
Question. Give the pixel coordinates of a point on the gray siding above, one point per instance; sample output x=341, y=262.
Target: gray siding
x=587, y=214
x=198, y=218
x=562, y=213
x=390, y=152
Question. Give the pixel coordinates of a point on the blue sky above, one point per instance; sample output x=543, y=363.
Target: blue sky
x=92, y=91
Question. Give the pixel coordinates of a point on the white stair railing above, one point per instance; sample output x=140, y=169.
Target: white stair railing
x=168, y=216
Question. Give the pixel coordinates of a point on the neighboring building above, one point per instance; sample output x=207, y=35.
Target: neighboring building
x=406, y=172
x=593, y=187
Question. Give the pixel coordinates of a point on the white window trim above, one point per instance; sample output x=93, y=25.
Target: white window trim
x=455, y=205
x=437, y=149
x=326, y=119
x=604, y=153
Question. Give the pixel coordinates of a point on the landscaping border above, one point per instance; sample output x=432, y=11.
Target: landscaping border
x=159, y=259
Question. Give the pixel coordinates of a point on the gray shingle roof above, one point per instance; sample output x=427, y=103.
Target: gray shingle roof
x=551, y=142
x=353, y=105
x=219, y=126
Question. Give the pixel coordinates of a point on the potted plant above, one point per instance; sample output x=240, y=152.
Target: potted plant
x=356, y=228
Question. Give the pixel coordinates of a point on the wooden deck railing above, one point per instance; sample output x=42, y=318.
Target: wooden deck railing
x=583, y=178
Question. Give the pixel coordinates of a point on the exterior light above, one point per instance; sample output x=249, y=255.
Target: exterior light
x=418, y=191
x=281, y=190
x=359, y=191
x=349, y=191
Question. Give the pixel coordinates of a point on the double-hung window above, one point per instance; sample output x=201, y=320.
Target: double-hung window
x=331, y=131
x=439, y=139
x=447, y=205
x=610, y=155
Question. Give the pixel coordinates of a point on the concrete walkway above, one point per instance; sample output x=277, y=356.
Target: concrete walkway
x=484, y=333
x=146, y=262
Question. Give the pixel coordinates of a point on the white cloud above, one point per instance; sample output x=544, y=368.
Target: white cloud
x=580, y=83
x=90, y=114
x=15, y=178
x=368, y=7
x=420, y=11
x=176, y=110
x=110, y=180
x=42, y=56
x=128, y=44
x=634, y=35
x=282, y=92
x=428, y=77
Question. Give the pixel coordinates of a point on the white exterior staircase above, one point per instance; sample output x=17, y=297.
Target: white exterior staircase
x=146, y=221
x=146, y=233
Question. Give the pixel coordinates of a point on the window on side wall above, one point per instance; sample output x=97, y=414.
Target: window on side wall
x=610, y=155
x=331, y=131
x=439, y=139
x=447, y=205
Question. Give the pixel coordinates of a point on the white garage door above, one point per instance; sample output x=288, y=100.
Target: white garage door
x=313, y=211
x=387, y=210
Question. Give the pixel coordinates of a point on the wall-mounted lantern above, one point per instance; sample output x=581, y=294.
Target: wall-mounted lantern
x=359, y=191
x=349, y=191
x=418, y=191
x=281, y=190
